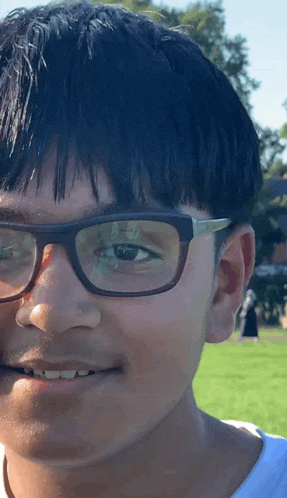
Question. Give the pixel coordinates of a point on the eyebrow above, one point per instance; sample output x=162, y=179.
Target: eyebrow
x=26, y=216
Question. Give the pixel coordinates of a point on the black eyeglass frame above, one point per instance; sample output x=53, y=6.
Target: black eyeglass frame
x=65, y=234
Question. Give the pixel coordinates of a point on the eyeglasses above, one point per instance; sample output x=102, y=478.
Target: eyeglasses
x=117, y=255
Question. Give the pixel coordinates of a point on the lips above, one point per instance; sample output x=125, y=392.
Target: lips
x=109, y=381
x=91, y=372
x=60, y=365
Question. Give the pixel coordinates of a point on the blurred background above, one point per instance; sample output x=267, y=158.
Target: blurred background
x=247, y=40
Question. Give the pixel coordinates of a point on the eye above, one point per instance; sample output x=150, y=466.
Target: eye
x=126, y=252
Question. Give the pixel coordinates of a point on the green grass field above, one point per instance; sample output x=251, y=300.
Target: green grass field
x=246, y=380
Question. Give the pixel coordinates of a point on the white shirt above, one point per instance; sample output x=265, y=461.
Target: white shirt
x=267, y=479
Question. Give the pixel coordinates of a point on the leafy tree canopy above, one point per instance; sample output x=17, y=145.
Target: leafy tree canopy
x=283, y=131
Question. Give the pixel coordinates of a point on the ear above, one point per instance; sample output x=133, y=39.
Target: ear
x=235, y=268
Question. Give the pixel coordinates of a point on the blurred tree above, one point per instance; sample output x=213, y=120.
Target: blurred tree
x=277, y=170
x=270, y=146
x=283, y=131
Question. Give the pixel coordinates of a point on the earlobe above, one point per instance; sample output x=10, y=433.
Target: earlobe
x=221, y=318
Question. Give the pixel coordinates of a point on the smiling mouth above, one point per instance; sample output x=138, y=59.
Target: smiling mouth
x=115, y=370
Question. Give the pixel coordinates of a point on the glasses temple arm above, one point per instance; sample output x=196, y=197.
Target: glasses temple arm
x=206, y=226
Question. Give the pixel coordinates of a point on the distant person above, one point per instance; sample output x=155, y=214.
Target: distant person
x=248, y=327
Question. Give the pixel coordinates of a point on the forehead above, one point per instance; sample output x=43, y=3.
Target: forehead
x=79, y=201
x=77, y=204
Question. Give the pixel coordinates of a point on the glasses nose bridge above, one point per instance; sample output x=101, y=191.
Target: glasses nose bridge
x=63, y=238
x=47, y=238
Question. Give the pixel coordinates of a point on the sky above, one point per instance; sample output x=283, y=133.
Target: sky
x=263, y=24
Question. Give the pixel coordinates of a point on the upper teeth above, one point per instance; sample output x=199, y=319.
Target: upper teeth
x=55, y=374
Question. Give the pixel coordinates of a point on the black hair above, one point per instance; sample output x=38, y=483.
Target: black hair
x=128, y=94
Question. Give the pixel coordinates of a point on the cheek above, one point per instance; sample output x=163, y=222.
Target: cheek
x=7, y=322
x=164, y=334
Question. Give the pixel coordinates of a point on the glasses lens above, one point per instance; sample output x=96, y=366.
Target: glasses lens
x=129, y=255
x=17, y=259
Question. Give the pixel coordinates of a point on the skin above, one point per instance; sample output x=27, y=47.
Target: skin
x=150, y=439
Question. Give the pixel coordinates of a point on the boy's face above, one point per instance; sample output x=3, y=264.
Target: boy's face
x=159, y=339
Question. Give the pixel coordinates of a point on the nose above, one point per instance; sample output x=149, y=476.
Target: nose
x=58, y=300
